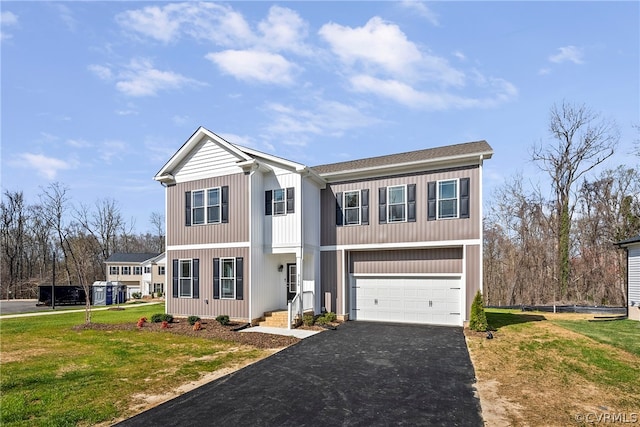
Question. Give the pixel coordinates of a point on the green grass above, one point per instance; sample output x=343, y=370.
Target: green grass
x=623, y=334
x=52, y=375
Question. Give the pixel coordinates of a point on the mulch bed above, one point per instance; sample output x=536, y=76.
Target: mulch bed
x=210, y=329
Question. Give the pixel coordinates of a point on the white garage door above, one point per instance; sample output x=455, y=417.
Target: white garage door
x=407, y=300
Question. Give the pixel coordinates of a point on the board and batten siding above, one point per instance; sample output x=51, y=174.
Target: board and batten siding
x=634, y=276
x=410, y=262
x=473, y=274
x=332, y=281
x=205, y=305
x=402, y=232
x=236, y=230
x=282, y=231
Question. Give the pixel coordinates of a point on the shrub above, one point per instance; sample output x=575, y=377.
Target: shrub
x=136, y=295
x=326, y=318
x=141, y=322
x=478, y=318
x=165, y=324
x=308, y=319
x=193, y=319
x=162, y=317
x=223, y=319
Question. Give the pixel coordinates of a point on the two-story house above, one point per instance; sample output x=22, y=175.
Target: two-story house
x=141, y=272
x=392, y=238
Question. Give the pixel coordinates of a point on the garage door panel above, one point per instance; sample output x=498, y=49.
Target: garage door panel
x=406, y=299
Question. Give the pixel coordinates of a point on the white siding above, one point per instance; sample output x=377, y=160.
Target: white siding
x=282, y=232
x=207, y=159
x=634, y=276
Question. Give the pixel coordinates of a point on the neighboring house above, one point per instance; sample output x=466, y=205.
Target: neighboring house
x=153, y=276
x=135, y=271
x=632, y=247
x=391, y=238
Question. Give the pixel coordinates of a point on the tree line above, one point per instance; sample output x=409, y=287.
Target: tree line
x=73, y=239
x=555, y=243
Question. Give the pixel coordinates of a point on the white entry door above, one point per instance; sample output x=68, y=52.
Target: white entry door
x=407, y=299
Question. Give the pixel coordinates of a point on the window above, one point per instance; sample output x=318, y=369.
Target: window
x=397, y=203
x=351, y=207
x=161, y=270
x=147, y=270
x=185, y=278
x=209, y=198
x=228, y=278
x=279, y=201
x=126, y=270
x=448, y=199
x=397, y=208
x=209, y=206
x=158, y=288
x=137, y=270
x=114, y=270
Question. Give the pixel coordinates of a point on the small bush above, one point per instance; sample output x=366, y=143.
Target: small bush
x=141, y=322
x=308, y=319
x=478, y=318
x=162, y=317
x=326, y=318
x=136, y=295
x=165, y=324
x=223, y=319
x=193, y=319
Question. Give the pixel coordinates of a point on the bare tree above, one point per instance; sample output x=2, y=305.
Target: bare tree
x=583, y=140
x=12, y=232
x=157, y=222
x=103, y=224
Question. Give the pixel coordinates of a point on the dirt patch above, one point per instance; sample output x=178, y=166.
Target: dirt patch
x=530, y=374
x=210, y=329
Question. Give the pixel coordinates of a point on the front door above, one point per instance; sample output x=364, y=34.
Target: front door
x=292, y=281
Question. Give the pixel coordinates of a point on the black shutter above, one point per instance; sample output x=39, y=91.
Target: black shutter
x=290, y=199
x=239, y=278
x=216, y=278
x=339, y=216
x=382, y=205
x=268, y=195
x=225, y=204
x=464, y=197
x=411, y=203
x=431, y=201
x=174, y=278
x=187, y=208
x=195, y=271
x=364, y=204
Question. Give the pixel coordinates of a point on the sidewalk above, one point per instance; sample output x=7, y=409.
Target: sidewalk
x=80, y=310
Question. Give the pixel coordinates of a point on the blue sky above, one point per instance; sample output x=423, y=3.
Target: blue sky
x=99, y=95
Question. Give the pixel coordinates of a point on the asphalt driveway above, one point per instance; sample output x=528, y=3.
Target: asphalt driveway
x=362, y=374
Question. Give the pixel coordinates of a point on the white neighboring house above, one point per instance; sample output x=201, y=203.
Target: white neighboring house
x=139, y=271
x=632, y=246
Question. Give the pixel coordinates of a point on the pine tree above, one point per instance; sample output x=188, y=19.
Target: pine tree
x=478, y=320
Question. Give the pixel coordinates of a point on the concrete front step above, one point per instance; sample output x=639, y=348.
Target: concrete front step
x=275, y=319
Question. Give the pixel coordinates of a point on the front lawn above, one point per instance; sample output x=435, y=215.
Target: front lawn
x=54, y=375
x=546, y=369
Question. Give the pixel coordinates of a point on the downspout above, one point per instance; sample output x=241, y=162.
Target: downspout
x=251, y=243
x=166, y=234
x=481, y=219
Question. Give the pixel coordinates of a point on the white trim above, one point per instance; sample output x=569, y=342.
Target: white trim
x=481, y=225
x=439, y=199
x=447, y=275
x=209, y=246
x=221, y=278
x=402, y=245
x=344, y=208
x=405, y=203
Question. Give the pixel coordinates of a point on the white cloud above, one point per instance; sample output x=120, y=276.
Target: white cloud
x=110, y=150
x=402, y=93
x=209, y=21
x=394, y=55
x=7, y=20
x=421, y=9
x=568, y=53
x=180, y=120
x=284, y=30
x=461, y=56
x=104, y=73
x=140, y=78
x=78, y=143
x=250, y=65
x=291, y=125
x=47, y=167
x=65, y=14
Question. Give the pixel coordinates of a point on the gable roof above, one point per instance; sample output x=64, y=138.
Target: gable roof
x=419, y=157
x=131, y=257
x=630, y=241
